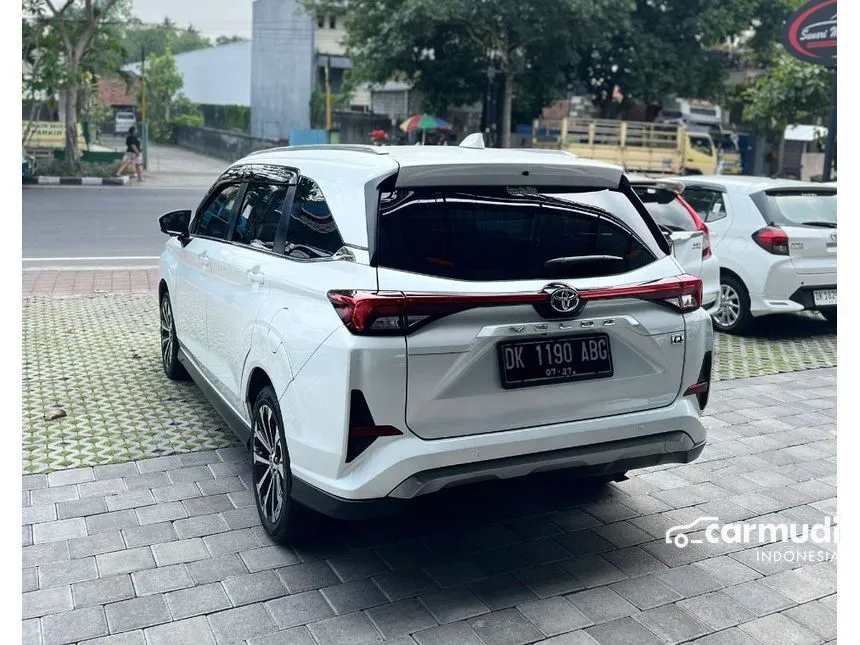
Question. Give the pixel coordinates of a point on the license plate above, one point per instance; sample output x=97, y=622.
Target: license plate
x=556, y=360
x=824, y=297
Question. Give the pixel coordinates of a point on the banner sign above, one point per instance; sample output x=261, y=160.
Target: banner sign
x=48, y=134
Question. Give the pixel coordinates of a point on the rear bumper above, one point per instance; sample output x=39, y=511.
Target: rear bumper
x=787, y=291
x=805, y=298
x=595, y=460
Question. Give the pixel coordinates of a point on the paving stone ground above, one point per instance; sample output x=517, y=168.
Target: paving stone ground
x=170, y=550
x=97, y=357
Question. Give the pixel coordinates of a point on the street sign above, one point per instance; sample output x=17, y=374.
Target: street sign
x=809, y=33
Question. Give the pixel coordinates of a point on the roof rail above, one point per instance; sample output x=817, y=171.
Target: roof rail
x=346, y=147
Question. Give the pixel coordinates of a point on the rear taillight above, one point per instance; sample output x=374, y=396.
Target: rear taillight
x=772, y=239
x=700, y=226
x=385, y=313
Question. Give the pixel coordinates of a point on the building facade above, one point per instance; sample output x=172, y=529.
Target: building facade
x=291, y=51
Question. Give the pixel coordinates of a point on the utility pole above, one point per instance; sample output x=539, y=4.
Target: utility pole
x=144, y=130
x=328, y=99
x=829, y=150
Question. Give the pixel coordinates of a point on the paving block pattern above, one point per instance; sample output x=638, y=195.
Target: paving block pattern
x=98, y=358
x=546, y=559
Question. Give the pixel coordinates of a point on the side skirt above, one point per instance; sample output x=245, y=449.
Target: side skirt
x=233, y=420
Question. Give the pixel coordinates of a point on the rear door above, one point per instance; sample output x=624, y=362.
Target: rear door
x=808, y=216
x=672, y=218
x=510, y=364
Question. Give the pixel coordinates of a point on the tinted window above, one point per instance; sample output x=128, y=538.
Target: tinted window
x=487, y=235
x=709, y=204
x=311, y=232
x=258, y=220
x=816, y=208
x=664, y=207
x=214, y=219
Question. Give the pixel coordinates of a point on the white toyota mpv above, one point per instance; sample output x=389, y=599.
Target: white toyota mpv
x=378, y=323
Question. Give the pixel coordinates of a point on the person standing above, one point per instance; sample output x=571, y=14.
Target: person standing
x=132, y=155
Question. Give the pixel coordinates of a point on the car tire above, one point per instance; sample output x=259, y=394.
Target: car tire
x=733, y=315
x=829, y=315
x=284, y=520
x=173, y=369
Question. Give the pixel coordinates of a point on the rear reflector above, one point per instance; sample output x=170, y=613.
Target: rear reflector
x=772, y=239
x=398, y=313
x=698, y=388
x=363, y=431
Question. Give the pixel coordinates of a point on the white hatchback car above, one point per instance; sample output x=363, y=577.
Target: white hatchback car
x=776, y=243
x=690, y=237
x=378, y=323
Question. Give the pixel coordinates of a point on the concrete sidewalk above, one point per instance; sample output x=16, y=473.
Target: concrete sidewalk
x=172, y=166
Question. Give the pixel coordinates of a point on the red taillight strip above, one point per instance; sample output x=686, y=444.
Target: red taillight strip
x=660, y=290
x=359, y=309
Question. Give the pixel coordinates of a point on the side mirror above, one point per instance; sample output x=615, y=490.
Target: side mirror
x=175, y=223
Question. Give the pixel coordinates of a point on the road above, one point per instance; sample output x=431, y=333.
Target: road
x=111, y=226
x=84, y=226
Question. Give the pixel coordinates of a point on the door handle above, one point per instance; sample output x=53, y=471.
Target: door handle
x=255, y=276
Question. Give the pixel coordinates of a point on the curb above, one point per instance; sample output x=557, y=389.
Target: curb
x=78, y=181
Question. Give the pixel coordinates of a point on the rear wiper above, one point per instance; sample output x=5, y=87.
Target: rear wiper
x=581, y=259
x=821, y=224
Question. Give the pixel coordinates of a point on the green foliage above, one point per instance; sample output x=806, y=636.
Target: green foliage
x=139, y=38
x=650, y=49
x=791, y=92
x=63, y=168
x=339, y=101
x=226, y=40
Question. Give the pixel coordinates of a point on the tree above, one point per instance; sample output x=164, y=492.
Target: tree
x=447, y=48
x=792, y=92
x=226, y=40
x=163, y=83
x=669, y=48
x=157, y=39
x=79, y=25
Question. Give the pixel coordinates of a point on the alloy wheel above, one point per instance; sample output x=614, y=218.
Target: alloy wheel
x=730, y=307
x=166, y=332
x=268, y=464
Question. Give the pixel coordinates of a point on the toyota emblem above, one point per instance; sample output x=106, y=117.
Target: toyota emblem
x=562, y=298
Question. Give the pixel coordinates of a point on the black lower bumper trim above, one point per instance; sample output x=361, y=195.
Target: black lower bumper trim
x=805, y=298
x=351, y=509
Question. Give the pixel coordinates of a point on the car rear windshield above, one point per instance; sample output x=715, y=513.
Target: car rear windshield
x=798, y=208
x=508, y=234
x=664, y=207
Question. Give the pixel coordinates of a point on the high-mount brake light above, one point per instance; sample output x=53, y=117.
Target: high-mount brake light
x=381, y=313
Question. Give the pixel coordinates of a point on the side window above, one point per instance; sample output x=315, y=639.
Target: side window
x=214, y=219
x=709, y=204
x=311, y=232
x=260, y=214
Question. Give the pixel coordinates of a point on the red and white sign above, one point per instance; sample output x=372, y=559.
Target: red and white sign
x=809, y=33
